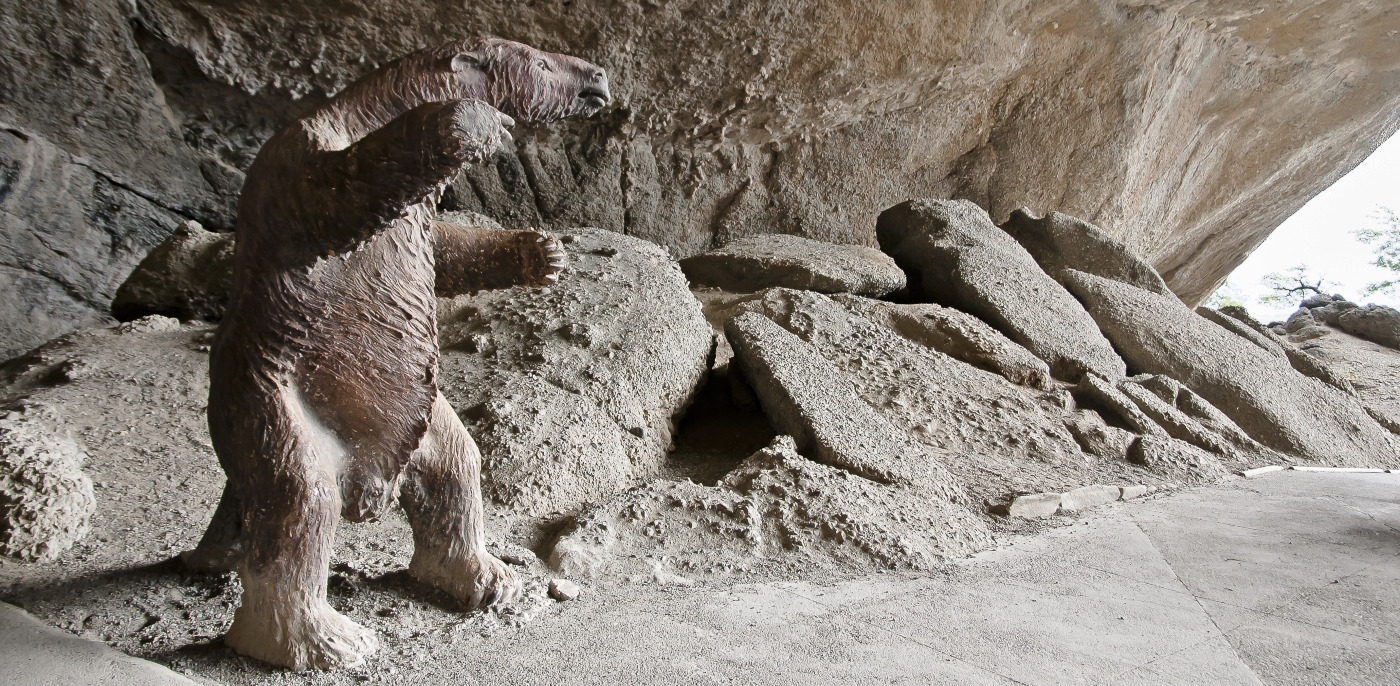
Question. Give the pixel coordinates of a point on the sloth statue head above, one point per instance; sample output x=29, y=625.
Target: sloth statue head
x=527, y=84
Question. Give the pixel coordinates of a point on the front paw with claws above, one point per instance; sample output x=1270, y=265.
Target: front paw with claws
x=542, y=258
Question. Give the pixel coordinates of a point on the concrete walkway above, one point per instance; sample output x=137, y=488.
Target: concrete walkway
x=1289, y=578
x=34, y=654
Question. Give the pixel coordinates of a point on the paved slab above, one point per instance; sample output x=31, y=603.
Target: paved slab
x=1224, y=585
x=33, y=654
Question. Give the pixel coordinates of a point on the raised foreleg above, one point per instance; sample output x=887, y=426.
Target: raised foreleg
x=356, y=192
x=471, y=259
x=442, y=497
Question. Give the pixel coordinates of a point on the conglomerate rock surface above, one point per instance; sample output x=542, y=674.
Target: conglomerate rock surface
x=1187, y=130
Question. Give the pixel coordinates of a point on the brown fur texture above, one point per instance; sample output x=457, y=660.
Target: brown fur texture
x=323, y=398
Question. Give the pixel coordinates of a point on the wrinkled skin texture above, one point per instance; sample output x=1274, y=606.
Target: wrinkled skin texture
x=323, y=397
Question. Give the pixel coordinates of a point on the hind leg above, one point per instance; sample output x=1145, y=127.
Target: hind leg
x=291, y=504
x=442, y=497
x=219, y=550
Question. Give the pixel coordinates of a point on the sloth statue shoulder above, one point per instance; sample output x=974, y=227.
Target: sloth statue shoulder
x=323, y=399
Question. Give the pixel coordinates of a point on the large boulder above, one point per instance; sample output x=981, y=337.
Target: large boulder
x=754, y=263
x=954, y=255
x=1261, y=392
x=573, y=391
x=1058, y=242
x=806, y=397
x=188, y=276
x=994, y=436
x=1376, y=323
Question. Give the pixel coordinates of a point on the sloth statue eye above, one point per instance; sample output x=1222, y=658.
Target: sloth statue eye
x=542, y=64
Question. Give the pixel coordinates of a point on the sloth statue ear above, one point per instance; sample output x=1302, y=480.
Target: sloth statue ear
x=468, y=61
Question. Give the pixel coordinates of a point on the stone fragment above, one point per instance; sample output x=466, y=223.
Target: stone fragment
x=1104, y=393
x=1175, y=459
x=1262, y=394
x=806, y=397
x=1099, y=439
x=1375, y=323
x=579, y=556
x=1058, y=242
x=189, y=276
x=1085, y=497
x=563, y=589
x=956, y=334
x=1034, y=506
x=954, y=255
x=753, y=263
x=46, y=501
x=1257, y=471
x=1131, y=492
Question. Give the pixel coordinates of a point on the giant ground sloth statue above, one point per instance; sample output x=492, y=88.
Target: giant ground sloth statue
x=323, y=398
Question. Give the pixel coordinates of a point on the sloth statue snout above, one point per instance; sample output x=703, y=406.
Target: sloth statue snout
x=534, y=85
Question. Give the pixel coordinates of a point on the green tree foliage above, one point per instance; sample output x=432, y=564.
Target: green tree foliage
x=1387, y=240
x=1293, y=286
x=1226, y=295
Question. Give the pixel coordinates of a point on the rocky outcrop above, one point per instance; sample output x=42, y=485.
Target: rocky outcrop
x=188, y=276
x=46, y=501
x=754, y=263
x=1238, y=320
x=572, y=391
x=1277, y=406
x=1376, y=323
x=954, y=255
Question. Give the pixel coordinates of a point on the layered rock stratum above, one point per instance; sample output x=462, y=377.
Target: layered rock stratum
x=1187, y=130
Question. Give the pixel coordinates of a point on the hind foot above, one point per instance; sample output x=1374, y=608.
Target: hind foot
x=212, y=558
x=477, y=582
x=315, y=637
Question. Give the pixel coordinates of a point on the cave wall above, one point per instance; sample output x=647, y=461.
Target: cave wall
x=1188, y=129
